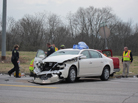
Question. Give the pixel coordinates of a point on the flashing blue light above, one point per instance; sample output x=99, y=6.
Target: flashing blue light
x=81, y=45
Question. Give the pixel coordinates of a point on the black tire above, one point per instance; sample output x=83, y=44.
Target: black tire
x=72, y=75
x=105, y=74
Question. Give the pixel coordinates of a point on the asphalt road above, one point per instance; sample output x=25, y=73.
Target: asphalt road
x=123, y=90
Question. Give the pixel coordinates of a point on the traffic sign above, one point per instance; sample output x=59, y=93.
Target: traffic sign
x=105, y=30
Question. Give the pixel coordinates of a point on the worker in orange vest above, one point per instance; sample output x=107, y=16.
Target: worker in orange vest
x=127, y=59
x=56, y=49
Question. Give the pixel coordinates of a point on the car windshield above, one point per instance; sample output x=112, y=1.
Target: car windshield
x=66, y=52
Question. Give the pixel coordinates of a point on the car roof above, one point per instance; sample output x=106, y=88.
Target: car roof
x=69, y=49
x=76, y=49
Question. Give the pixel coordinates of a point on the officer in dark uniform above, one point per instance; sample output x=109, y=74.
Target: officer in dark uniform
x=15, y=61
x=50, y=49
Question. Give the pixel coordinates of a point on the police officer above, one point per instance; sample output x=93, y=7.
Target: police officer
x=15, y=61
x=50, y=49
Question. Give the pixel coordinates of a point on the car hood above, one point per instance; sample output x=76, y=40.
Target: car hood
x=60, y=58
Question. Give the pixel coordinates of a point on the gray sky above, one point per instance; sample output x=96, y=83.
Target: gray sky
x=124, y=9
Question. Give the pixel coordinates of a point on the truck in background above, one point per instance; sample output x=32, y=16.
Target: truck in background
x=109, y=53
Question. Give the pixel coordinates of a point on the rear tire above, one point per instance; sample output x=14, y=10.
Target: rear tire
x=105, y=74
x=72, y=75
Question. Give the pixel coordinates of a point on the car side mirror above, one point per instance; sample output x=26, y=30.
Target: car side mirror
x=82, y=57
x=41, y=56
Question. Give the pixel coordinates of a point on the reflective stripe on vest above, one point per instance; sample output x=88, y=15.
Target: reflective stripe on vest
x=31, y=65
x=126, y=56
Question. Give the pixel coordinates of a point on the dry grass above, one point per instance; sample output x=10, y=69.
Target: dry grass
x=133, y=67
x=26, y=57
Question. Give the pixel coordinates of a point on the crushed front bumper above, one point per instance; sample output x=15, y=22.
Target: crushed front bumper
x=53, y=79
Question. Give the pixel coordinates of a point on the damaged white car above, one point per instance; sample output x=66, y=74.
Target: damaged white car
x=71, y=64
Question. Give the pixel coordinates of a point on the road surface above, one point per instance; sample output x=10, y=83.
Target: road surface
x=122, y=90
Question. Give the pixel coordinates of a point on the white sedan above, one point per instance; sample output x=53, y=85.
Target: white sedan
x=71, y=64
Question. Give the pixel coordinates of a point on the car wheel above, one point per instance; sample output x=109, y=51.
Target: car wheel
x=106, y=73
x=72, y=75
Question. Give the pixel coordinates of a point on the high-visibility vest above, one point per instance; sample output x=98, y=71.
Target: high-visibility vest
x=56, y=49
x=31, y=67
x=126, y=56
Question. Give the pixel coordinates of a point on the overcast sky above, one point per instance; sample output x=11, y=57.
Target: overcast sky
x=124, y=9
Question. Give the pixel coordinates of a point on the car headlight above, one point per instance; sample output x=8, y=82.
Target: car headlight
x=61, y=65
x=39, y=65
x=36, y=70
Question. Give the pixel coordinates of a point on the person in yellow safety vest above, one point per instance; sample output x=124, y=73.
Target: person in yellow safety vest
x=56, y=49
x=127, y=59
x=31, y=67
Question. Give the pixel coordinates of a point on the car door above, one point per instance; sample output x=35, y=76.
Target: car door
x=84, y=64
x=39, y=56
x=97, y=62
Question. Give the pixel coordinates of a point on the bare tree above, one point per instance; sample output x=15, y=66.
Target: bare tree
x=32, y=32
x=86, y=22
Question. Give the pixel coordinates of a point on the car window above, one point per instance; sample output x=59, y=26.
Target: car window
x=95, y=54
x=66, y=52
x=40, y=52
x=107, y=53
x=86, y=53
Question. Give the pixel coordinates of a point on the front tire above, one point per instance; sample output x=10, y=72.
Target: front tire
x=72, y=75
x=105, y=74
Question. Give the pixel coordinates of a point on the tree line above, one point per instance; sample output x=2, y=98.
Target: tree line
x=32, y=32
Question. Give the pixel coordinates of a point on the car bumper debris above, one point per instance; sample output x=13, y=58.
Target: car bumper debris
x=46, y=80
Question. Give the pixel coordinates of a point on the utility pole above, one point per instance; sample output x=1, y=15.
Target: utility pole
x=3, y=53
x=105, y=36
x=104, y=32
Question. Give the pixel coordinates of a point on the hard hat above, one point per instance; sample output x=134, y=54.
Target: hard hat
x=62, y=46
